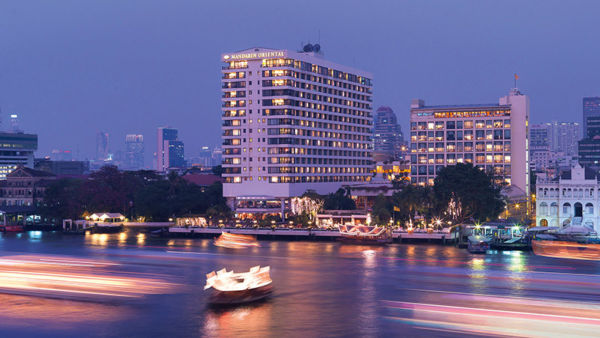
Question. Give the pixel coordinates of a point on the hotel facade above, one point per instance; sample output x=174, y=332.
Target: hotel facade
x=493, y=137
x=292, y=122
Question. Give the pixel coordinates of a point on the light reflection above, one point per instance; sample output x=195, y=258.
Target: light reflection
x=71, y=278
x=141, y=238
x=231, y=322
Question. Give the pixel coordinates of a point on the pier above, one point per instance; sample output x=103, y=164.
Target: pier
x=442, y=237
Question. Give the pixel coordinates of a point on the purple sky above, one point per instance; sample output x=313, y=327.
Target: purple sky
x=72, y=68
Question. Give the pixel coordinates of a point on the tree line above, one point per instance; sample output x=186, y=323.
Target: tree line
x=134, y=194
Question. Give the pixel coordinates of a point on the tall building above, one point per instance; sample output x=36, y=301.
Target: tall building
x=134, y=152
x=16, y=149
x=589, y=147
x=563, y=137
x=493, y=137
x=170, y=151
x=388, y=139
x=102, y=146
x=591, y=107
x=539, y=147
x=292, y=122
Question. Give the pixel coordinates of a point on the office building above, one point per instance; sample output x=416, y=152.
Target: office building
x=170, y=151
x=493, y=137
x=16, y=149
x=292, y=122
x=134, y=152
x=589, y=147
x=563, y=137
x=539, y=147
x=387, y=136
x=102, y=153
x=591, y=107
x=62, y=168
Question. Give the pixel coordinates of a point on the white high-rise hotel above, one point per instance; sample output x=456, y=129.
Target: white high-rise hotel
x=292, y=121
x=493, y=137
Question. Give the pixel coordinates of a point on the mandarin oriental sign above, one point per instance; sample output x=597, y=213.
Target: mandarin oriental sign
x=254, y=55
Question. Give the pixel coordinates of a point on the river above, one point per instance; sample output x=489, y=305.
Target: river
x=133, y=285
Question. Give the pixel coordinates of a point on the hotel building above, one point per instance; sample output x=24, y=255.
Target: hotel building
x=16, y=149
x=292, y=122
x=493, y=137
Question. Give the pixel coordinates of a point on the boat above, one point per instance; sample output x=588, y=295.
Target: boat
x=228, y=287
x=362, y=234
x=566, y=249
x=12, y=228
x=478, y=244
x=236, y=241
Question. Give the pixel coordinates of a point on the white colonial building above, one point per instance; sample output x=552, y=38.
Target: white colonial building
x=570, y=199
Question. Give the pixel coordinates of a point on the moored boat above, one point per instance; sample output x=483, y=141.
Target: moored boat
x=236, y=241
x=12, y=228
x=478, y=244
x=228, y=287
x=362, y=234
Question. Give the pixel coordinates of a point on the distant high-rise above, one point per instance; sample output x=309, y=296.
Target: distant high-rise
x=591, y=107
x=539, y=146
x=563, y=137
x=589, y=147
x=134, y=152
x=388, y=138
x=101, y=146
x=16, y=149
x=170, y=151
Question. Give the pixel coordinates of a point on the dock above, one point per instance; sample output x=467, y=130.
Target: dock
x=306, y=234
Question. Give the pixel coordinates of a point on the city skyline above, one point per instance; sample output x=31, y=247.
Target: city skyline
x=156, y=79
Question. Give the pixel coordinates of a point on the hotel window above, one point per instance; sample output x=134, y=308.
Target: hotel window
x=439, y=147
x=439, y=125
x=431, y=170
x=469, y=158
x=459, y=124
x=480, y=134
x=413, y=126
x=489, y=159
x=506, y=123
x=498, y=124
x=479, y=146
x=430, y=136
x=459, y=147
x=450, y=147
x=468, y=135
x=479, y=124
x=498, y=134
x=451, y=159
x=450, y=136
x=489, y=124
x=506, y=146
x=430, y=159
x=430, y=125
x=468, y=124
x=468, y=146
x=459, y=135
x=439, y=158
x=507, y=134
x=479, y=158
x=421, y=126
x=488, y=146
x=439, y=135
x=450, y=125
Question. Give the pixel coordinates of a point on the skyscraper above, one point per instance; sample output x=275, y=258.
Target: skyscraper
x=591, y=107
x=539, y=147
x=388, y=138
x=101, y=146
x=170, y=151
x=493, y=137
x=292, y=121
x=134, y=152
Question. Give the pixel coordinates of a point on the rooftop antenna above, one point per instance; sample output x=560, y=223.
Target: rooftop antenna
x=516, y=78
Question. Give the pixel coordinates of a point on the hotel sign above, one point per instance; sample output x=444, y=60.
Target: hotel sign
x=254, y=55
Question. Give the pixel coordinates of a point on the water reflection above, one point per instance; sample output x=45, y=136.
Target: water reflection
x=238, y=321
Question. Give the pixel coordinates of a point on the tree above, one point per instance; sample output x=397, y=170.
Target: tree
x=414, y=200
x=382, y=210
x=464, y=192
x=339, y=200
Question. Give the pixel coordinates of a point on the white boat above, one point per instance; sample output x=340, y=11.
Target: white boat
x=228, y=287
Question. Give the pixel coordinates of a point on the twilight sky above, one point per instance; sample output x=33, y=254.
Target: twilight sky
x=71, y=68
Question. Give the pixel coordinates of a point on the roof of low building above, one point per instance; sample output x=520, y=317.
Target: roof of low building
x=202, y=179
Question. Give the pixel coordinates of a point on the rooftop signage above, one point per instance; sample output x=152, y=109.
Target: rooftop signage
x=254, y=55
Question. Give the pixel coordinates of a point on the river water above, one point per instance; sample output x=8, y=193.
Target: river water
x=322, y=289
